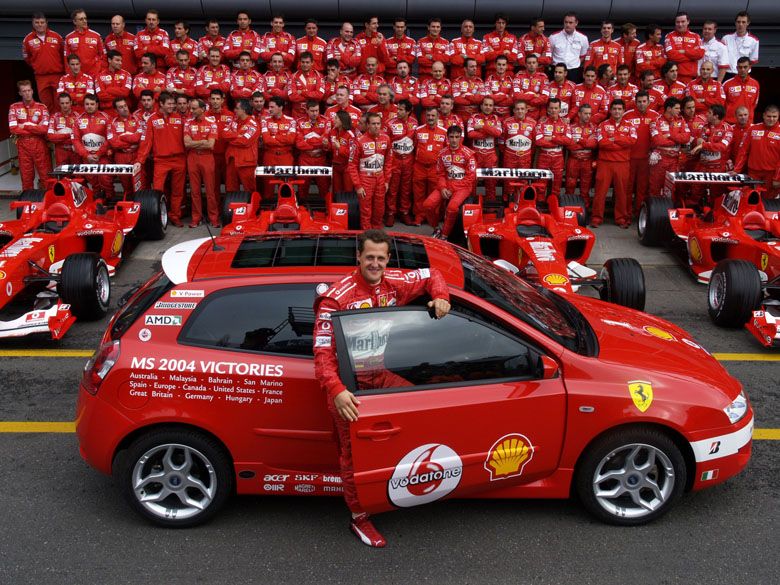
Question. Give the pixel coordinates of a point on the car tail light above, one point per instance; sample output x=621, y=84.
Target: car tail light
x=99, y=365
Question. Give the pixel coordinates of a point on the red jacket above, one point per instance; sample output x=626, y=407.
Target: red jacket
x=641, y=123
x=348, y=54
x=282, y=42
x=156, y=42
x=316, y=47
x=594, y=95
x=124, y=134
x=401, y=133
x=501, y=89
x=431, y=91
x=354, y=114
x=340, y=144
x=178, y=79
x=601, y=52
x=706, y=94
x=565, y=93
x=276, y=83
x=740, y=93
x=468, y=94
x=627, y=94
x=163, y=137
x=472, y=49
x=406, y=89
x=223, y=118
x=684, y=49
x=397, y=288
x=497, y=45
x=518, y=136
x=209, y=78
x=370, y=156
x=61, y=129
x=206, y=42
x=113, y=84
x=531, y=42
x=278, y=133
x=373, y=46
x=534, y=89
x=760, y=149
x=404, y=49
x=669, y=135
x=44, y=55
x=154, y=82
x=28, y=120
x=312, y=137
x=242, y=138
x=303, y=87
x=675, y=90
x=88, y=45
x=203, y=129
x=90, y=136
x=629, y=52
x=244, y=83
x=615, y=140
x=428, y=143
x=364, y=89
x=716, y=143
x=583, y=140
x=483, y=131
x=124, y=45
x=240, y=41
x=553, y=135
x=649, y=58
x=188, y=44
x=77, y=87
x=456, y=168
x=440, y=49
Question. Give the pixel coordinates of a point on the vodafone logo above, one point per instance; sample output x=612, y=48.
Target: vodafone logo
x=424, y=475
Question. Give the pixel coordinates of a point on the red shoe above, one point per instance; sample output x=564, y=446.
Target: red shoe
x=366, y=532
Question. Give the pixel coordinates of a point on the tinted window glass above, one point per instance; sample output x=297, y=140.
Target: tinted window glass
x=392, y=348
x=272, y=319
x=157, y=287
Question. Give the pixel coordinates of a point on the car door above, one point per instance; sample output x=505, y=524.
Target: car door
x=447, y=407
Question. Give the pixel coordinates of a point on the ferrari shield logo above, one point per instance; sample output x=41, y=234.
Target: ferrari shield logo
x=641, y=393
x=52, y=253
x=764, y=261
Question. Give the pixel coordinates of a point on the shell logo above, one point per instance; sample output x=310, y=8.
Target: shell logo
x=556, y=279
x=2, y=275
x=659, y=333
x=694, y=249
x=508, y=456
x=116, y=245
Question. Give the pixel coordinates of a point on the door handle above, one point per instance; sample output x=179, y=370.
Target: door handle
x=378, y=434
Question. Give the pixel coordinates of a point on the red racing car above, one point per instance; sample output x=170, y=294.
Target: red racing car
x=546, y=241
x=57, y=257
x=731, y=242
x=204, y=385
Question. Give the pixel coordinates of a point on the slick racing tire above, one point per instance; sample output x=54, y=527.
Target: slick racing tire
x=153, y=218
x=631, y=476
x=175, y=478
x=624, y=283
x=772, y=205
x=85, y=286
x=572, y=200
x=653, y=225
x=31, y=195
x=353, y=207
x=733, y=293
x=233, y=197
x=458, y=235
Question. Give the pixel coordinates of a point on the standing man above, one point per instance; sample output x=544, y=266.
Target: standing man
x=212, y=75
x=124, y=136
x=114, y=82
x=212, y=38
x=468, y=90
x=152, y=40
x=641, y=118
x=346, y=50
x=62, y=125
x=243, y=39
x=370, y=167
x=580, y=163
x=312, y=143
x=400, y=47
x=164, y=140
x=180, y=80
x=739, y=129
x=705, y=89
x=341, y=104
x=715, y=51
x=741, y=90
x=182, y=41
x=85, y=43
x=670, y=85
x=278, y=41
x=42, y=50
x=123, y=42
x=713, y=146
x=278, y=133
x=277, y=78
x=369, y=285
x=365, y=85
x=569, y=46
x=466, y=47
x=741, y=43
x=562, y=89
x=405, y=87
x=623, y=89
x=650, y=54
x=484, y=129
x=590, y=92
x=500, y=86
x=223, y=118
x=667, y=136
x=499, y=43
x=429, y=139
x=28, y=121
x=149, y=77
x=531, y=86
x=684, y=48
x=629, y=43
x=306, y=85
x=200, y=134
x=552, y=135
x=400, y=129
x=241, y=155
x=312, y=44
x=535, y=43
x=76, y=83
x=433, y=48
x=760, y=152
x=434, y=87
x=90, y=141
x=518, y=138
x=456, y=169
x=605, y=51
x=615, y=138
x=372, y=44
x=246, y=79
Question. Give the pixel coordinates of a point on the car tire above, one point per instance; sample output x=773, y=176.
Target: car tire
x=85, y=285
x=194, y=467
x=631, y=476
x=733, y=293
x=153, y=217
x=624, y=283
x=233, y=197
x=771, y=204
x=572, y=200
x=653, y=226
x=353, y=207
x=31, y=195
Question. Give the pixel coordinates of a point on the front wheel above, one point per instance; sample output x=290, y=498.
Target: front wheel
x=624, y=283
x=631, y=476
x=653, y=226
x=153, y=216
x=175, y=478
x=85, y=285
x=733, y=293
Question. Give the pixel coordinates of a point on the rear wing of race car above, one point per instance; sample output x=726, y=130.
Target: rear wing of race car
x=292, y=171
x=517, y=174
x=98, y=169
x=719, y=179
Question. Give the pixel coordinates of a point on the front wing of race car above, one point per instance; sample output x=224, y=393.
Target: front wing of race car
x=765, y=325
x=56, y=320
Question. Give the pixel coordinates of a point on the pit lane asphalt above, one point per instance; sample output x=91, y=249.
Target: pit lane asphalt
x=65, y=523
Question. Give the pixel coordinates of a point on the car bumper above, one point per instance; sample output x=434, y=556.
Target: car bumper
x=722, y=456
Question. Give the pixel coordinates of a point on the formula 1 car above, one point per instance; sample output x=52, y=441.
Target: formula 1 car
x=246, y=213
x=546, y=242
x=57, y=257
x=730, y=242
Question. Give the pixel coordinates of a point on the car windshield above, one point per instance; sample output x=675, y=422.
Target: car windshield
x=550, y=314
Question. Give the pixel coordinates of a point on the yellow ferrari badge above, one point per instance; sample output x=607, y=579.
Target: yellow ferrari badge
x=641, y=393
x=52, y=253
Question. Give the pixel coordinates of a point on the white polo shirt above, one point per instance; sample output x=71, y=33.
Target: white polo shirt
x=568, y=49
x=716, y=52
x=744, y=46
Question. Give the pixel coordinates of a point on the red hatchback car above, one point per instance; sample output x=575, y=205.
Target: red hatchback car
x=204, y=386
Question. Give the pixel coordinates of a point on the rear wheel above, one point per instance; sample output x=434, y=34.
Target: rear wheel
x=353, y=207
x=653, y=226
x=572, y=200
x=85, y=285
x=31, y=195
x=624, y=283
x=734, y=292
x=233, y=197
x=153, y=217
x=175, y=478
x=772, y=204
x=631, y=476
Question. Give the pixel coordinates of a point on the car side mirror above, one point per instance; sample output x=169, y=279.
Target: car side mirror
x=549, y=367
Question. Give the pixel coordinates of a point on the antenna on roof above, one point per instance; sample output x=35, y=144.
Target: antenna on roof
x=214, y=246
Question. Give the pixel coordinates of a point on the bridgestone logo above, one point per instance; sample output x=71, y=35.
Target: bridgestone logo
x=171, y=305
x=425, y=478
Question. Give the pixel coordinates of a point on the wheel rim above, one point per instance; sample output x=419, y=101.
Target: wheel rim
x=174, y=481
x=641, y=223
x=163, y=213
x=717, y=290
x=634, y=481
x=102, y=285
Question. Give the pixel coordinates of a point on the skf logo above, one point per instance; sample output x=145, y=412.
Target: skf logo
x=555, y=279
x=764, y=261
x=641, y=393
x=52, y=253
x=508, y=456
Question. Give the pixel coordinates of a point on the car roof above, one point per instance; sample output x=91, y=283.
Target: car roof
x=300, y=254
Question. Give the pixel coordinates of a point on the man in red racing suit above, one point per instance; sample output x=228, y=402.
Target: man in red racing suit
x=368, y=286
x=370, y=167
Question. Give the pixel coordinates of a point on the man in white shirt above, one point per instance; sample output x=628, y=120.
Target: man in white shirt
x=741, y=43
x=569, y=47
x=715, y=51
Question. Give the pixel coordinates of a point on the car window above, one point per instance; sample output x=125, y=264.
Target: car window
x=405, y=349
x=268, y=319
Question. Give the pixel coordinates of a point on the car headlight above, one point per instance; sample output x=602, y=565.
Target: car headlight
x=737, y=409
